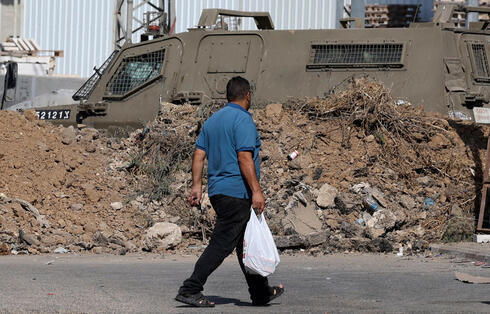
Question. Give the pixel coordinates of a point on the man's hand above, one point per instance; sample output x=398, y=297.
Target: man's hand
x=258, y=202
x=195, y=195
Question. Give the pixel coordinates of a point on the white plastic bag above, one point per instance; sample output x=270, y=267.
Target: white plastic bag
x=260, y=254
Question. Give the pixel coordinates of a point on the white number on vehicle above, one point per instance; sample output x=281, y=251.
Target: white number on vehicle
x=53, y=114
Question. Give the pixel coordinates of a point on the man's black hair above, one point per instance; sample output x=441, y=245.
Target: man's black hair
x=237, y=88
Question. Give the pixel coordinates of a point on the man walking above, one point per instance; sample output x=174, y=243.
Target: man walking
x=230, y=141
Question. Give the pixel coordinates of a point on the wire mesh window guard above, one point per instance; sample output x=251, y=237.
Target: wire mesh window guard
x=481, y=62
x=357, y=55
x=135, y=71
x=87, y=87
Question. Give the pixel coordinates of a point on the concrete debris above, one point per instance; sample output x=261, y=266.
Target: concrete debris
x=117, y=205
x=28, y=238
x=273, y=110
x=61, y=250
x=382, y=219
x=68, y=135
x=162, y=235
x=302, y=219
x=76, y=207
x=326, y=196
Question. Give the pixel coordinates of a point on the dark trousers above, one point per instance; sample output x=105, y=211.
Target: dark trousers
x=232, y=215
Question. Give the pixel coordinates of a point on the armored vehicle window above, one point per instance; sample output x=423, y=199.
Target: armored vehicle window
x=87, y=88
x=356, y=55
x=135, y=71
x=480, y=62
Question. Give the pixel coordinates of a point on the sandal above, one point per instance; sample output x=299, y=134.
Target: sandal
x=197, y=300
x=276, y=292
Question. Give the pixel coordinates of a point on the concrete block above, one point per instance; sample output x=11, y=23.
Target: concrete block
x=481, y=238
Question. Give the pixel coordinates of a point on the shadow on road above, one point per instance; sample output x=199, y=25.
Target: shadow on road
x=222, y=300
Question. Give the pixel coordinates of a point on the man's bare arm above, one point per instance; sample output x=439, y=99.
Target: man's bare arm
x=247, y=167
x=197, y=169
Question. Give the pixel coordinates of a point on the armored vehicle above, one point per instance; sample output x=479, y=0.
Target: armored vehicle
x=433, y=64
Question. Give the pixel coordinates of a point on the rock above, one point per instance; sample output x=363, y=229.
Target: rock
x=298, y=241
x=162, y=235
x=4, y=249
x=351, y=230
x=379, y=197
x=366, y=216
x=374, y=233
x=326, y=196
x=407, y=201
x=332, y=223
x=301, y=198
x=130, y=246
x=92, y=195
x=89, y=134
x=174, y=220
x=28, y=238
x=90, y=148
x=97, y=250
x=76, y=229
x=424, y=181
x=382, y=245
x=362, y=187
x=273, y=110
x=116, y=205
x=456, y=211
x=61, y=250
x=68, y=135
x=76, y=207
x=382, y=219
x=369, y=139
x=344, y=203
x=32, y=251
x=302, y=219
x=100, y=238
x=137, y=205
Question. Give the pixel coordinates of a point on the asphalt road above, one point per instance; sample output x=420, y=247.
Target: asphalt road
x=335, y=283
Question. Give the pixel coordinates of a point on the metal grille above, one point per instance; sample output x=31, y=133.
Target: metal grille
x=87, y=87
x=135, y=71
x=481, y=62
x=348, y=55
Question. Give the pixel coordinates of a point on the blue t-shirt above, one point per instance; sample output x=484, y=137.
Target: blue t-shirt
x=227, y=132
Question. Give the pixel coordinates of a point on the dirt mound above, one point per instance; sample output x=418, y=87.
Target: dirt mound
x=61, y=173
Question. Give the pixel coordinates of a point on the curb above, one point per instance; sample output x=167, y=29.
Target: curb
x=471, y=254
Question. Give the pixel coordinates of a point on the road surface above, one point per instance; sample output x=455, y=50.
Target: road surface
x=148, y=283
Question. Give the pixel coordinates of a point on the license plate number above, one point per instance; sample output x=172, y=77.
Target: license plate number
x=53, y=114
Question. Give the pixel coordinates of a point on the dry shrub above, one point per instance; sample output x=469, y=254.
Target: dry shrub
x=165, y=147
x=402, y=130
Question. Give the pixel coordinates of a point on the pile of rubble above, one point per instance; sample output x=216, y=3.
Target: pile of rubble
x=371, y=175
